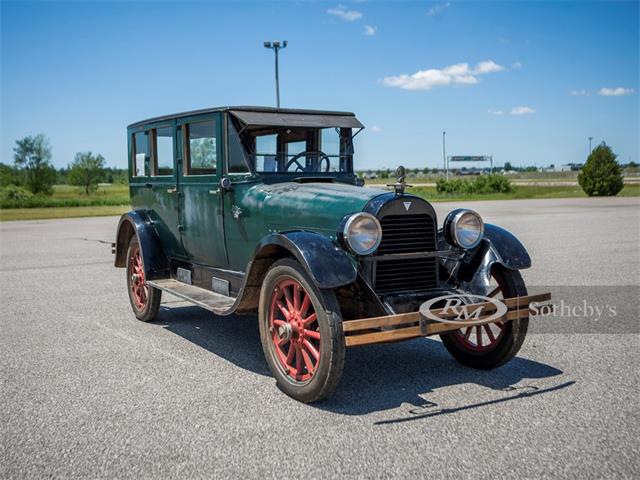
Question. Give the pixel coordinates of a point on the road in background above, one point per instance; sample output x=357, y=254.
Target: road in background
x=86, y=390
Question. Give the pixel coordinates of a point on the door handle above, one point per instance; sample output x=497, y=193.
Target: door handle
x=172, y=190
x=214, y=192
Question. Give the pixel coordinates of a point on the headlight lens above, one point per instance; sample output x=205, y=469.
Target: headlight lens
x=463, y=228
x=362, y=233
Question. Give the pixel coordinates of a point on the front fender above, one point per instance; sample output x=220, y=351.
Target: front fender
x=327, y=264
x=472, y=272
x=137, y=222
x=508, y=250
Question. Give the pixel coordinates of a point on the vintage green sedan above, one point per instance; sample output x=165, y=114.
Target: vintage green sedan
x=252, y=209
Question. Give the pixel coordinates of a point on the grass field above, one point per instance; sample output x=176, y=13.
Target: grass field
x=631, y=176
x=67, y=201
x=68, y=196
x=519, y=192
x=106, y=192
x=60, y=212
x=114, y=199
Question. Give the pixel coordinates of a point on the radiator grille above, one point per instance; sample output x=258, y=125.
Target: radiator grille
x=406, y=234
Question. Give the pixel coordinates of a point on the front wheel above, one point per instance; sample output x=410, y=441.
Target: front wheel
x=494, y=344
x=301, y=333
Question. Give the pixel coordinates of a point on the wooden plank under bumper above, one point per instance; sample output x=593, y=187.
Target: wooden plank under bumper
x=406, y=326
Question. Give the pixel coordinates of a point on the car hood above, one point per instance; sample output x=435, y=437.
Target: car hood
x=313, y=206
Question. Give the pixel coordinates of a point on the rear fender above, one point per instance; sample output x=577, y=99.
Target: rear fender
x=137, y=222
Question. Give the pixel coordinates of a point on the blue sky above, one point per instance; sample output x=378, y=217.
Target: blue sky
x=527, y=82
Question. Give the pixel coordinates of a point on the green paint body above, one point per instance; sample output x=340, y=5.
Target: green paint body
x=200, y=222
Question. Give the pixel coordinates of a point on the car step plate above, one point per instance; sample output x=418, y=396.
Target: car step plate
x=212, y=301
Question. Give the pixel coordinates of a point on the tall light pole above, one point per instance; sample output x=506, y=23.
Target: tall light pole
x=444, y=155
x=276, y=46
x=590, y=138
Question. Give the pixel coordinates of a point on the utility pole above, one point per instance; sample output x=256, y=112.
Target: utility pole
x=444, y=155
x=590, y=138
x=276, y=46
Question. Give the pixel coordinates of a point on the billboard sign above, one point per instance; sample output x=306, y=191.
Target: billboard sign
x=469, y=158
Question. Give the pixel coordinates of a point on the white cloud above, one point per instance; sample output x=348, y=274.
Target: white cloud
x=488, y=66
x=516, y=66
x=376, y=129
x=370, y=30
x=615, y=92
x=580, y=93
x=438, y=8
x=522, y=110
x=459, y=73
x=342, y=13
x=495, y=112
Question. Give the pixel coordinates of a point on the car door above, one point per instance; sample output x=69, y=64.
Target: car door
x=243, y=218
x=163, y=183
x=202, y=229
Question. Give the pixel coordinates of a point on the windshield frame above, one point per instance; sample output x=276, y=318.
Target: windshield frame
x=247, y=135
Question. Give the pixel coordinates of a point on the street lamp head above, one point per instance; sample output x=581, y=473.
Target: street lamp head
x=267, y=44
x=276, y=44
x=284, y=44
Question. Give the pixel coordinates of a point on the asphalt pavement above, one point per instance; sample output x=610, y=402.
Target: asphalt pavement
x=88, y=391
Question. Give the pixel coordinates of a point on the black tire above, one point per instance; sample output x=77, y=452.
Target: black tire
x=328, y=324
x=146, y=311
x=508, y=345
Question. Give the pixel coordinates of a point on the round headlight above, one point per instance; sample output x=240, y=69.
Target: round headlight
x=362, y=233
x=463, y=228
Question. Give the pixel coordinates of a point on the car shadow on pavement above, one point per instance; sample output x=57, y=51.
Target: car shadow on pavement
x=383, y=377
x=235, y=338
x=376, y=377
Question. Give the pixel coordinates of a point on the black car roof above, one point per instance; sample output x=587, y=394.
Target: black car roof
x=241, y=108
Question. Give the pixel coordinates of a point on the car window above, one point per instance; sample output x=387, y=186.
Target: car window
x=266, y=153
x=238, y=161
x=300, y=150
x=163, y=161
x=140, y=154
x=202, y=148
x=330, y=144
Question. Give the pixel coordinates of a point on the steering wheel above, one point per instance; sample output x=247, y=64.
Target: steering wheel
x=321, y=155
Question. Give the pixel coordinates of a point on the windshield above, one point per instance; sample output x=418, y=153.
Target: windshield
x=297, y=150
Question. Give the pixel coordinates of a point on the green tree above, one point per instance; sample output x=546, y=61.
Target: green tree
x=507, y=166
x=87, y=170
x=9, y=175
x=601, y=175
x=32, y=156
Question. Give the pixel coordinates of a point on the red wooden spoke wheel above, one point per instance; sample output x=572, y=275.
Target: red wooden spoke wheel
x=137, y=283
x=294, y=330
x=145, y=300
x=482, y=338
x=301, y=332
x=491, y=345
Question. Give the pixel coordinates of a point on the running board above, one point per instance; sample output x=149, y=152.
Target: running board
x=214, y=302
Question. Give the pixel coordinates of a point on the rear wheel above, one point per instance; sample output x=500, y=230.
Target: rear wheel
x=301, y=333
x=145, y=300
x=491, y=345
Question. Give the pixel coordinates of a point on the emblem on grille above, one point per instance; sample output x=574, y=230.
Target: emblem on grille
x=407, y=205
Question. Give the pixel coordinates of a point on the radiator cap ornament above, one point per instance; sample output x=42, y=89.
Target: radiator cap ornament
x=400, y=184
